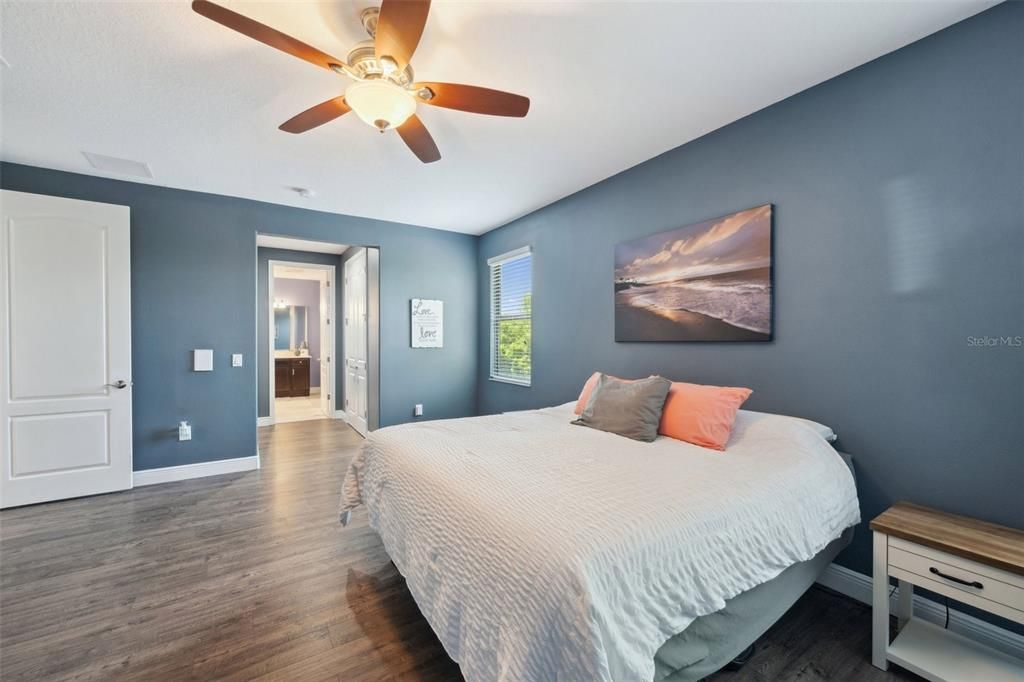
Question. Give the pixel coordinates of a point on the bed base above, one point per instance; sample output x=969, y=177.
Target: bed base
x=711, y=642
x=716, y=640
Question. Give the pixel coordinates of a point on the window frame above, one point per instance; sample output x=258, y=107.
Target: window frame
x=499, y=260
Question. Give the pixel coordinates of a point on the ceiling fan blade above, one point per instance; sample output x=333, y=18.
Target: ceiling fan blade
x=399, y=27
x=475, y=99
x=316, y=116
x=264, y=34
x=415, y=135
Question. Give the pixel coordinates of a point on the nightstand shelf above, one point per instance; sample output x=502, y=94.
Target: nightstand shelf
x=922, y=647
x=974, y=562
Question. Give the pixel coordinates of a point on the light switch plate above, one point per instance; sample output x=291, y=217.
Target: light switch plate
x=236, y=359
x=202, y=360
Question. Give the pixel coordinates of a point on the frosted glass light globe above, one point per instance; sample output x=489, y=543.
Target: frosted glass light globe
x=380, y=103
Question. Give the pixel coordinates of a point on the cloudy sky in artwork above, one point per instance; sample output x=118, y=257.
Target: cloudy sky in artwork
x=740, y=241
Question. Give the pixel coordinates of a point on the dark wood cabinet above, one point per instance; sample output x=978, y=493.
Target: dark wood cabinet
x=300, y=377
x=291, y=377
x=282, y=378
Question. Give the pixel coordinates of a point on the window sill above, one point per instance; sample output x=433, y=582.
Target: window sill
x=514, y=382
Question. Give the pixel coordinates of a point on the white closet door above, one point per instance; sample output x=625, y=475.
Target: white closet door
x=65, y=344
x=355, y=342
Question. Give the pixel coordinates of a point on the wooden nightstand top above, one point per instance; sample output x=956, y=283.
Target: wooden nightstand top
x=989, y=543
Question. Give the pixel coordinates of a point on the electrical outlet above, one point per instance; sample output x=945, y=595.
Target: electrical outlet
x=236, y=359
x=184, y=431
x=417, y=410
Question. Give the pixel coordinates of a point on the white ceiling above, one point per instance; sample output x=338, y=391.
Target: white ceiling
x=611, y=83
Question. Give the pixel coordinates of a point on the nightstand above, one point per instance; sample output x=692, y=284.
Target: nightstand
x=970, y=561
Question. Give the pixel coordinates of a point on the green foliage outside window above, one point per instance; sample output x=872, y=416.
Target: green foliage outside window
x=514, y=336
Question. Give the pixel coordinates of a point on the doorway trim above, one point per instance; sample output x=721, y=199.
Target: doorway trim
x=332, y=278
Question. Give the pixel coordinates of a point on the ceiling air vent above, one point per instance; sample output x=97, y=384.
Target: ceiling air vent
x=112, y=164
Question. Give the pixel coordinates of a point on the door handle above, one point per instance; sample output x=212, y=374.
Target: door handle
x=969, y=583
x=120, y=383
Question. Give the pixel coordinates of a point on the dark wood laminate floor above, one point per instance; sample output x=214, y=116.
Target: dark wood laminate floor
x=250, y=577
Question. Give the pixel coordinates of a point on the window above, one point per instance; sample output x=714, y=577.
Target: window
x=511, y=316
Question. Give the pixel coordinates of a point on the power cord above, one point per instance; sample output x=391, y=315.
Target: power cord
x=944, y=598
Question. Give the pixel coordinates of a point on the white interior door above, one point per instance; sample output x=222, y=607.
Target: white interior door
x=355, y=342
x=326, y=346
x=65, y=348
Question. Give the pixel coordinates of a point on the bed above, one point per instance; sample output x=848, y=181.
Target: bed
x=540, y=550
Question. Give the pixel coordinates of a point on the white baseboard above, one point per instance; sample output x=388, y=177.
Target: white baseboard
x=186, y=471
x=340, y=414
x=264, y=421
x=314, y=390
x=858, y=586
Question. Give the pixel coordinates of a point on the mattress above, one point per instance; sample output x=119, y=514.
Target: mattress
x=539, y=550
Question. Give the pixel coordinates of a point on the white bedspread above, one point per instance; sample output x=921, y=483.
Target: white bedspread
x=539, y=550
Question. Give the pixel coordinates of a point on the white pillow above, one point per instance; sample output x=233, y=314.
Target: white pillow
x=825, y=432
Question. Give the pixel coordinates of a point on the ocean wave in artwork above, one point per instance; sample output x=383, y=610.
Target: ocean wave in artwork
x=742, y=299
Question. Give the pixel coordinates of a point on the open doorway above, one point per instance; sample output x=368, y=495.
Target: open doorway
x=302, y=332
x=318, y=339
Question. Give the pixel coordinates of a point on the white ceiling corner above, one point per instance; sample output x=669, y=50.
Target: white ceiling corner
x=611, y=85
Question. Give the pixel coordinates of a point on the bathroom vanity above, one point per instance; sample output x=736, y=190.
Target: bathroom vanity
x=291, y=376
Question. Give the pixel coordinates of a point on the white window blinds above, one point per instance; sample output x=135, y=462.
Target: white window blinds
x=511, y=316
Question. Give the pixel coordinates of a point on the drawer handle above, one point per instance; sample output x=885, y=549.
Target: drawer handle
x=969, y=583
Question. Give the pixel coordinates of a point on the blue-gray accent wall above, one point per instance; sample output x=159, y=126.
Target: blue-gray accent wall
x=899, y=235
x=193, y=260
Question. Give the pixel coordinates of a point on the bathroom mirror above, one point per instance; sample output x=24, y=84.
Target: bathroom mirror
x=290, y=327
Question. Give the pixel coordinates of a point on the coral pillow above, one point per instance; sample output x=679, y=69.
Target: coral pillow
x=588, y=388
x=702, y=415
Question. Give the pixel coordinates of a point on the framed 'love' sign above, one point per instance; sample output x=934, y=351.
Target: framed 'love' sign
x=427, y=316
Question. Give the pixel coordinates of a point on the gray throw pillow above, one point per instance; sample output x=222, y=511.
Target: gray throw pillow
x=628, y=408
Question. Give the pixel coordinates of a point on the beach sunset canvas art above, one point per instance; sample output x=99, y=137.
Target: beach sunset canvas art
x=710, y=281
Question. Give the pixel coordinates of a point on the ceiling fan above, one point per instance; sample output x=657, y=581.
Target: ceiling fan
x=384, y=93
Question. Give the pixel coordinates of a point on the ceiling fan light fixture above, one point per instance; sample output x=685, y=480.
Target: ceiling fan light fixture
x=385, y=93
x=380, y=103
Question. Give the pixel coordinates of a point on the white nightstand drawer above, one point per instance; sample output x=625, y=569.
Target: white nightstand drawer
x=960, y=574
